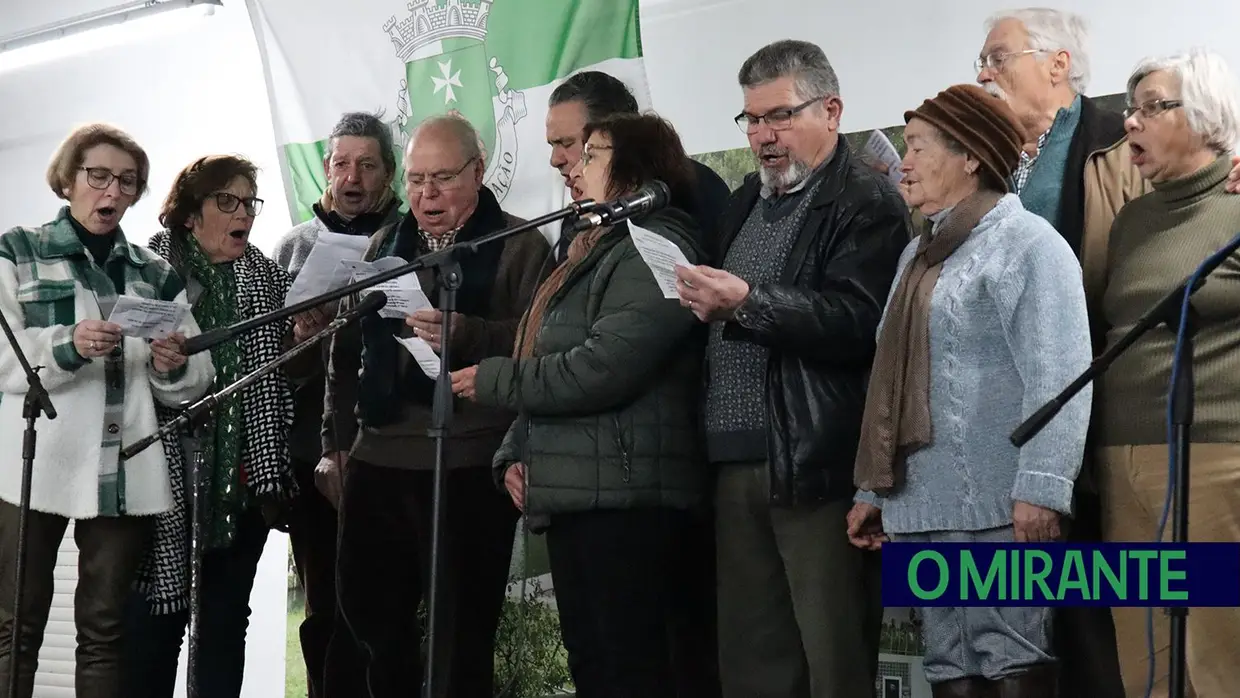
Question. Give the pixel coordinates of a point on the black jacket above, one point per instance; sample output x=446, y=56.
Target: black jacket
x=819, y=322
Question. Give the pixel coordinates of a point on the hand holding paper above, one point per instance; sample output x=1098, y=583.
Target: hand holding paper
x=661, y=255
x=426, y=357
x=404, y=293
x=147, y=317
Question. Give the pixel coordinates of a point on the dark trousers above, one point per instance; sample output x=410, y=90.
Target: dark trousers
x=695, y=640
x=153, y=642
x=312, y=535
x=109, y=552
x=1084, y=638
x=800, y=608
x=618, y=576
x=383, y=564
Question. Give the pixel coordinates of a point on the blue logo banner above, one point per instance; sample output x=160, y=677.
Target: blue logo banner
x=1061, y=574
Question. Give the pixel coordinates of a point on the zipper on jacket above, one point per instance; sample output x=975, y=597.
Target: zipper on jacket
x=624, y=451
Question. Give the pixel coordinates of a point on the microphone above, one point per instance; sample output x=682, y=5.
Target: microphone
x=200, y=343
x=651, y=197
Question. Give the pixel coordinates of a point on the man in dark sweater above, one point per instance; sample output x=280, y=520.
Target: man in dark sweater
x=806, y=257
x=377, y=417
x=359, y=164
x=593, y=95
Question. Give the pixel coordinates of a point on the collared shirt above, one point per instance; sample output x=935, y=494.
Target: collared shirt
x=435, y=243
x=1027, y=161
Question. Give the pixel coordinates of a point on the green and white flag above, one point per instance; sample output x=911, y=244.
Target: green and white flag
x=493, y=61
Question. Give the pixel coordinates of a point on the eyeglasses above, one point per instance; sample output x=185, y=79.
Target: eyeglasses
x=1152, y=108
x=777, y=119
x=101, y=178
x=589, y=153
x=995, y=61
x=443, y=181
x=228, y=203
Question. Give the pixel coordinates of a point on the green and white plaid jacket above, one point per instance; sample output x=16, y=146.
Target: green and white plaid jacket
x=49, y=283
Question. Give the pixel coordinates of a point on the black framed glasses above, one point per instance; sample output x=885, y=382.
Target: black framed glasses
x=101, y=178
x=228, y=203
x=1152, y=108
x=777, y=119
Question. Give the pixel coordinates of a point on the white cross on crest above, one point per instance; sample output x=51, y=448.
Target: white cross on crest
x=447, y=81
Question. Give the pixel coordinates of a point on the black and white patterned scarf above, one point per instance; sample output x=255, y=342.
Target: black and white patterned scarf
x=267, y=407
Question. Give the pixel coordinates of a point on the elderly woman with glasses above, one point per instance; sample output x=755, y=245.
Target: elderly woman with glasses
x=1183, y=124
x=58, y=285
x=247, y=476
x=606, y=455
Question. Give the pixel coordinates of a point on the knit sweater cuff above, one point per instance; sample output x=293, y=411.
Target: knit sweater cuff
x=867, y=497
x=1044, y=490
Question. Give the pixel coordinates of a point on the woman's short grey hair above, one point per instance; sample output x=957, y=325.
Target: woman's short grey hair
x=365, y=125
x=804, y=62
x=1054, y=30
x=1208, y=89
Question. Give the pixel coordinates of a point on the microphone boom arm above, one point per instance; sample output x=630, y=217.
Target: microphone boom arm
x=207, y=340
x=193, y=412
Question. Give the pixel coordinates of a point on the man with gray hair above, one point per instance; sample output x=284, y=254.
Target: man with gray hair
x=377, y=413
x=360, y=163
x=1077, y=174
x=808, y=252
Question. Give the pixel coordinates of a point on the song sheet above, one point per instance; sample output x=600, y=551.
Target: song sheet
x=426, y=357
x=404, y=293
x=147, y=317
x=661, y=255
x=321, y=272
x=880, y=148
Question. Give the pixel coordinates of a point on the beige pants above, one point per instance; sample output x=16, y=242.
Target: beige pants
x=1134, y=485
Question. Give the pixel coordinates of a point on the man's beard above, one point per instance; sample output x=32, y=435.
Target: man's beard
x=781, y=180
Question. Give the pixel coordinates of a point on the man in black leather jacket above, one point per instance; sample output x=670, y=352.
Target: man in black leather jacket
x=808, y=252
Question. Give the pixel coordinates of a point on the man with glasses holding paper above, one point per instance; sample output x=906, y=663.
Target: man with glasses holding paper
x=809, y=250
x=380, y=390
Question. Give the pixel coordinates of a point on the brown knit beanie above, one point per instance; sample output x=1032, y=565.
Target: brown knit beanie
x=984, y=124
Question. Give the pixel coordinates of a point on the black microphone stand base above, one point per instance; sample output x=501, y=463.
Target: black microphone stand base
x=31, y=409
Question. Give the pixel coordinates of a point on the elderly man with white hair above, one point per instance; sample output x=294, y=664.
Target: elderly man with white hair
x=1183, y=124
x=1077, y=172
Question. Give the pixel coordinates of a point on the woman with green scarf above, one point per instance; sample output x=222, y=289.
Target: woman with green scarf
x=247, y=476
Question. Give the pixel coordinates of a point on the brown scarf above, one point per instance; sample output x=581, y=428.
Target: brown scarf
x=527, y=331
x=896, y=423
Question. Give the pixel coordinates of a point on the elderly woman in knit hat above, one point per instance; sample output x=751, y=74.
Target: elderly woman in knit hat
x=986, y=323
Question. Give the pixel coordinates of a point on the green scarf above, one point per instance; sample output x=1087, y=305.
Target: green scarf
x=225, y=490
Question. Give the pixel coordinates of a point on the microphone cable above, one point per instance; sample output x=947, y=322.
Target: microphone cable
x=1210, y=263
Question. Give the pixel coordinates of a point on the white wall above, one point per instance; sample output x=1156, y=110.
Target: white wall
x=181, y=95
x=889, y=55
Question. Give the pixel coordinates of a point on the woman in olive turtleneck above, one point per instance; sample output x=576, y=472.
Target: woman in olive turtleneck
x=1183, y=123
x=58, y=285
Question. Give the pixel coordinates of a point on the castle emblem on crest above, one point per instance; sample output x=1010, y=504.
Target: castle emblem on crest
x=439, y=79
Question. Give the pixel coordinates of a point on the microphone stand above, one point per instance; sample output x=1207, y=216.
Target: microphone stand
x=1169, y=311
x=191, y=419
x=36, y=402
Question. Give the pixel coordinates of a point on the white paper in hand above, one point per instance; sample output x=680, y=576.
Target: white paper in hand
x=318, y=273
x=147, y=317
x=404, y=293
x=661, y=255
x=426, y=357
